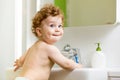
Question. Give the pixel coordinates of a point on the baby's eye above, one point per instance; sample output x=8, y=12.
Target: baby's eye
x=51, y=25
x=60, y=26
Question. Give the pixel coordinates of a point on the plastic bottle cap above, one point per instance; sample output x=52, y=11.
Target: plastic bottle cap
x=98, y=47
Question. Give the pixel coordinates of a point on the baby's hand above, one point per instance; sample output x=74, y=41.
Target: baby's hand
x=79, y=66
x=17, y=64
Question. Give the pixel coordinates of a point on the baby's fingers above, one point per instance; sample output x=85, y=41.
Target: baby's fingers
x=16, y=68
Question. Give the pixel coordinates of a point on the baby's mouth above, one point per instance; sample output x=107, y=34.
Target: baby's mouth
x=56, y=35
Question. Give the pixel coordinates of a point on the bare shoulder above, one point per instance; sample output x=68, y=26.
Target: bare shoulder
x=52, y=49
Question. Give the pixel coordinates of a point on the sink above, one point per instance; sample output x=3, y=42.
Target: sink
x=77, y=74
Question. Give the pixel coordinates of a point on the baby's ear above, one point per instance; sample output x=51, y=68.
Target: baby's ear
x=38, y=31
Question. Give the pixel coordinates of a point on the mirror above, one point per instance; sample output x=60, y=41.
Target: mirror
x=88, y=12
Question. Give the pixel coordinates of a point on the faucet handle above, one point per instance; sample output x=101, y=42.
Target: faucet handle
x=67, y=47
x=75, y=51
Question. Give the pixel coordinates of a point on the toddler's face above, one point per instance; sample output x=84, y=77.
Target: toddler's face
x=52, y=29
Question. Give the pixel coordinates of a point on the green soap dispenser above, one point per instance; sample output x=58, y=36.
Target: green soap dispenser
x=98, y=58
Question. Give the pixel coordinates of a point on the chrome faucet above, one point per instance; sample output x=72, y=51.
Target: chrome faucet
x=72, y=53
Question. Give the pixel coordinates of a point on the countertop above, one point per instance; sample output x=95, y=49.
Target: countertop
x=113, y=72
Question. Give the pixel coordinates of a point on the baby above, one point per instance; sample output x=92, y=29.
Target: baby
x=37, y=62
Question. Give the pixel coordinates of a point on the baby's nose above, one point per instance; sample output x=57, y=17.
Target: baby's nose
x=57, y=29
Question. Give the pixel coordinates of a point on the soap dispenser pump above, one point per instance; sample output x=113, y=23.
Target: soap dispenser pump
x=98, y=58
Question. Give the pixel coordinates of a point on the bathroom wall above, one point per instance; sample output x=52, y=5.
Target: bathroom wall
x=6, y=35
x=85, y=38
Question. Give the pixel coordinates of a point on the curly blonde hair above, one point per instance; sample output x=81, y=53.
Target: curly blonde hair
x=47, y=10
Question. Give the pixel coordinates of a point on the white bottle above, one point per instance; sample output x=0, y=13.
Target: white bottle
x=98, y=58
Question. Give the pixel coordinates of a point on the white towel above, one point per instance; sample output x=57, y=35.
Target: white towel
x=21, y=78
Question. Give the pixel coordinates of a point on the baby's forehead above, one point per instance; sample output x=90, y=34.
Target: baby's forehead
x=53, y=19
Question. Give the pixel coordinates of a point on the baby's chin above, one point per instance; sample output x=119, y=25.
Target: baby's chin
x=55, y=40
x=50, y=41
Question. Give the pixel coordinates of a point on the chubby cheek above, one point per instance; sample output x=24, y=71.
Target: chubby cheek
x=48, y=35
x=61, y=35
x=62, y=32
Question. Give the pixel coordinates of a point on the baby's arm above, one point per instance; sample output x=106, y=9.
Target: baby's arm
x=56, y=56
